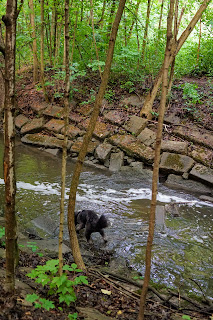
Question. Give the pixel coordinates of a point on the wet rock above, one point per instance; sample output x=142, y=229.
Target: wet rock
x=175, y=163
x=115, y=117
x=133, y=147
x=135, y=125
x=147, y=137
x=195, y=135
x=137, y=165
x=174, y=181
x=40, y=139
x=20, y=121
x=54, y=152
x=202, y=173
x=33, y=125
x=116, y=161
x=174, y=146
x=54, y=125
x=46, y=224
x=102, y=152
x=206, y=198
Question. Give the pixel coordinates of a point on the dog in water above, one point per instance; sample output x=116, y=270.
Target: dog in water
x=89, y=220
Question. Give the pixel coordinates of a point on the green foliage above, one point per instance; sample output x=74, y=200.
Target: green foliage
x=2, y=235
x=61, y=286
x=190, y=93
x=96, y=64
x=33, y=246
x=129, y=85
x=109, y=95
x=186, y=317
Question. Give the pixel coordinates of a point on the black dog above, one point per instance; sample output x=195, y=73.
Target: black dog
x=89, y=220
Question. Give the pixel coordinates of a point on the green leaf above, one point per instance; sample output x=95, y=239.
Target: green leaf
x=31, y=297
x=47, y=304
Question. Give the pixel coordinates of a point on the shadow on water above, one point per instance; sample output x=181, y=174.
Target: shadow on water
x=182, y=249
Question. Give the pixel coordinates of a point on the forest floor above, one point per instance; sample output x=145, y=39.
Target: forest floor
x=195, y=105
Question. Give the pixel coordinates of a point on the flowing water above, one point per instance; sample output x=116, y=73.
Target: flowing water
x=182, y=249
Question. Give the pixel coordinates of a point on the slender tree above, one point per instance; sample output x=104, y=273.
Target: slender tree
x=66, y=120
x=146, y=29
x=42, y=51
x=9, y=148
x=35, y=59
x=157, y=161
x=148, y=103
x=87, y=137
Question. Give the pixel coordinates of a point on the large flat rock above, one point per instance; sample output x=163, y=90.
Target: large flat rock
x=202, y=155
x=133, y=147
x=177, y=182
x=202, y=173
x=54, y=111
x=175, y=163
x=73, y=131
x=202, y=137
x=115, y=117
x=20, y=121
x=76, y=147
x=135, y=125
x=147, y=137
x=101, y=130
x=175, y=146
x=33, y=125
x=46, y=141
x=54, y=125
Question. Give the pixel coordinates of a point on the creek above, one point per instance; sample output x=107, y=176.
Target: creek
x=182, y=249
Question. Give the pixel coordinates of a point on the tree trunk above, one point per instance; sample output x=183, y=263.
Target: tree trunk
x=35, y=59
x=64, y=156
x=87, y=137
x=9, y=149
x=146, y=30
x=198, y=48
x=133, y=22
x=156, y=162
x=148, y=103
x=94, y=40
x=42, y=51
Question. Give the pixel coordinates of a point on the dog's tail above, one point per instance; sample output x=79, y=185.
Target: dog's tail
x=102, y=222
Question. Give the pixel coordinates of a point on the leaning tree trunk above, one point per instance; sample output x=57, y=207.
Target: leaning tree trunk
x=156, y=162
x=148, y=103
x=9, y=144
x=87, y=137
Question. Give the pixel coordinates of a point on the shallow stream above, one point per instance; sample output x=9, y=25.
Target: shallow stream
x=183, y=246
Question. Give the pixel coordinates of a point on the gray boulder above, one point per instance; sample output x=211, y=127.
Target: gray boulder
x=175, y=163
x=102, y=152
x=116, y=161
